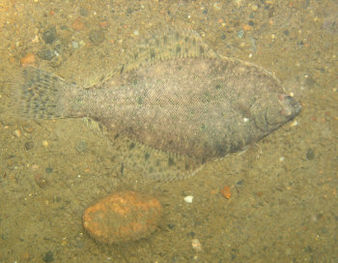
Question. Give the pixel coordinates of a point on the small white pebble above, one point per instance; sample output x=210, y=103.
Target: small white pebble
x=17, y=133
x=35, y=39
x=75, y=44
x=245, y=119
x=45, y=143
x=136, y=32
x=294, y=123
x=188, y=199
x=281, y=159
x=196, y=244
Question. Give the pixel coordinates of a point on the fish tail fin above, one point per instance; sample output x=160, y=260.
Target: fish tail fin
x=41, y=95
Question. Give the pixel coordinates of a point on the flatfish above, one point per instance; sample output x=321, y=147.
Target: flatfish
x=184, y=104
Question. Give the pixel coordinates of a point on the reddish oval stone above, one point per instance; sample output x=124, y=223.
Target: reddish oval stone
x=123, y=216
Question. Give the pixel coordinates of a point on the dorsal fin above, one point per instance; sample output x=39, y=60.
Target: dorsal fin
x=161, y=45
x=169, y=44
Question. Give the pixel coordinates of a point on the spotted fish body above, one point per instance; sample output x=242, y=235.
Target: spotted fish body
x=193, y=109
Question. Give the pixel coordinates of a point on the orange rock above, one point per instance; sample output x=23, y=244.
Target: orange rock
x=226, y=192
x=78, y=24
x=247, y=28
x=123, y=216
x=103, y=24
x=27, y=60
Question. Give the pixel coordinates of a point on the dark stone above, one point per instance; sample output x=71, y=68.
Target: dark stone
x=192, y=234
x=96, y=36
x=29, y=145
x=310, y=154
x=49, y=170
x=171, y=226
x=286, y=32
x=240, y=182
x=48, y=257
x=49, y=36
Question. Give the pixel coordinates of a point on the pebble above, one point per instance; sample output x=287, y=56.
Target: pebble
x=29, y=145
x=27, y=60
x=196, y=244
x=75, y=44
x=123, y=216
x=188, y=199
x=226, y=192
x=294, y=123
x=49, y=170
x=49, y=36
x=96, y=36
x=41, y=181
x=240, y=33
x=78, y=25
x=28, y=128
x=17, y=133
x=48, y=257
x=104, y=24
x=310, y=154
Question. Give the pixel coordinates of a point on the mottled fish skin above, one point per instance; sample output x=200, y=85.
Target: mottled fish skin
x=188, y=108
x=203, y=108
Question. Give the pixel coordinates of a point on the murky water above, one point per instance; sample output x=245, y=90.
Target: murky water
x=283, y=189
